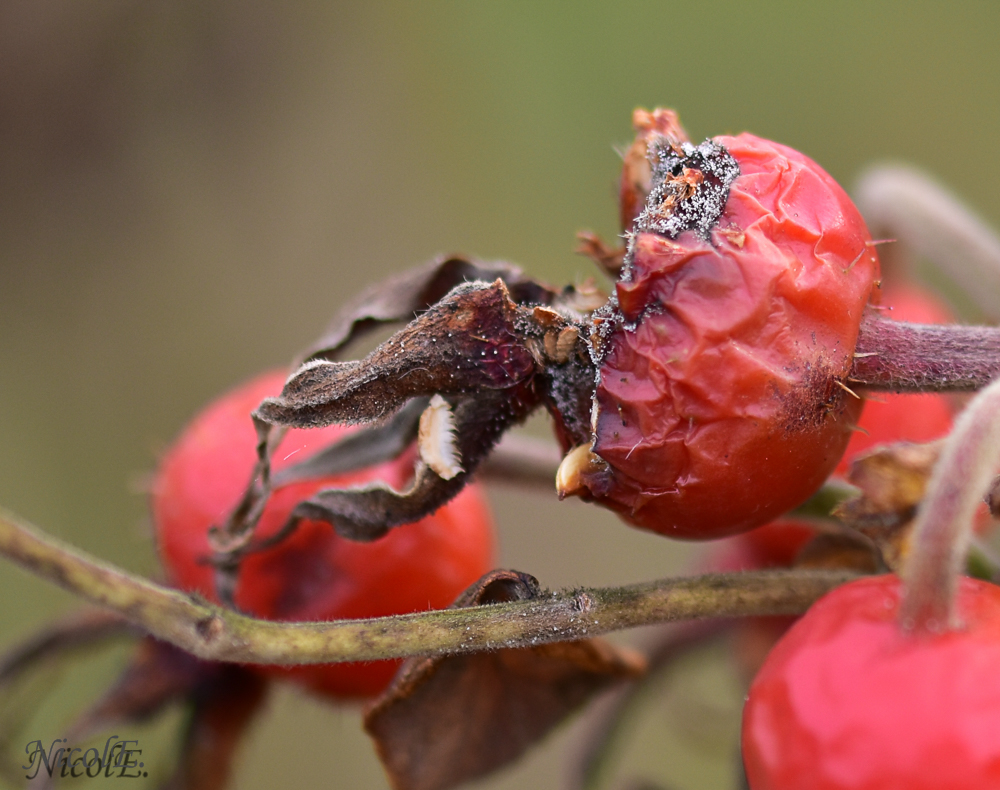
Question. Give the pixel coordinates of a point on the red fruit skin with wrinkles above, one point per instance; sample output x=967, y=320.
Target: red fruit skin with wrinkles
x=717, y=408
x=313, y=574
x=849, y=701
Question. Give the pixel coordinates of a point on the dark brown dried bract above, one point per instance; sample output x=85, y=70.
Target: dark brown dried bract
x=892, y=480
x=450, y=719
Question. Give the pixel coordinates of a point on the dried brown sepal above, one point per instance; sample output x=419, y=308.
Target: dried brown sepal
x=223, y=711
x=77, y=631
x=840, y=551
x=450, y=719
x=893, y=480
x=477, y=347
x=609, y=259
x=659, y=127
x=223, y=699
x=400, y=298
x=395, y=300
x=467, y=341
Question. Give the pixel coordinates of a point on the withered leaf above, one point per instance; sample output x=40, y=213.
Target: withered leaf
x=222, y=714
x=397, y=299
x=78, y=630
x=223, y=700
x=892, y=480
x=834, y=551
x=610, y=259
x=447, y=720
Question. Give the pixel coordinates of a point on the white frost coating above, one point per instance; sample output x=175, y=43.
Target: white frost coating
x=436, y=440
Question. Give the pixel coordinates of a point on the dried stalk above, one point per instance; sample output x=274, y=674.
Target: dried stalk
x=213, y=633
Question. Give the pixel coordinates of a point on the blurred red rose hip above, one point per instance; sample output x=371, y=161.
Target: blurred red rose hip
x=313, y=574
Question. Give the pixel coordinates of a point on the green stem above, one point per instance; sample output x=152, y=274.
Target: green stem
x=213, y=633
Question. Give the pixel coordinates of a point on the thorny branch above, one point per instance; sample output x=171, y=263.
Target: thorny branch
x=213, y=633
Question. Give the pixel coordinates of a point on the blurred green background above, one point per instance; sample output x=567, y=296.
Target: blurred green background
x=189, y=190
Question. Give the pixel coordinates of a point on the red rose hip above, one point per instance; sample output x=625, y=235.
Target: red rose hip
x=848, y=700
x=719, y=403
x=313, y=574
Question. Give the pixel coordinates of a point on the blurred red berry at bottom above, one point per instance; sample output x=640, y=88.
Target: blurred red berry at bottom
x=849, y=701
x=312, y=575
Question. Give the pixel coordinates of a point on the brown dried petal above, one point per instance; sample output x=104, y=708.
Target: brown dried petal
x=223, y=711
x=157, y=675
x=892, y=480
x=224, y=698
x=367, y=513
x=450, y=719
x=79, y=630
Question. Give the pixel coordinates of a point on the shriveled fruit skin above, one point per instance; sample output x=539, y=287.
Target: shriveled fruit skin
x=313, y=574
x=718, y=405
x=847, y=700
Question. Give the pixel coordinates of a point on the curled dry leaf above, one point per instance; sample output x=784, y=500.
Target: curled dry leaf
x=484, y=359
x=892, y=480
x=81, y=629
x=223, y=699
x=450, y=719
x=395, y=300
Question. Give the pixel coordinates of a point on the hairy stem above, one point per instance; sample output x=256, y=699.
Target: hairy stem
x=213, y=633
x=892, y=355
x=943, y=528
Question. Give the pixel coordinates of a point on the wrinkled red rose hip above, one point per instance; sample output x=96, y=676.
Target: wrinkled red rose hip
x=719, y=403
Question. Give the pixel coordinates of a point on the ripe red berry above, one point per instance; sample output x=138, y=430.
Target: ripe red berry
x=313, y=574
x=735, y=318
x=848, y=700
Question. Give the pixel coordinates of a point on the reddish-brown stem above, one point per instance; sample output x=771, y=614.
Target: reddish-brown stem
x=943, y=527
x=892, y=355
